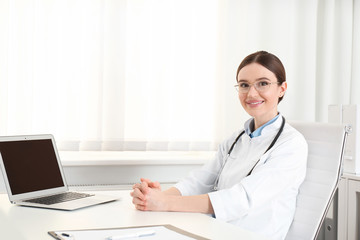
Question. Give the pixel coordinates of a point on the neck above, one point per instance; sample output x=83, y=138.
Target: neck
x=258, y=122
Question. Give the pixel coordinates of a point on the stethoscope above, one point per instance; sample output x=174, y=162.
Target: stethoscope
x=216, y=185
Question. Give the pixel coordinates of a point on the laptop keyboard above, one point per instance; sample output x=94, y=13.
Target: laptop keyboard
x=58, y=198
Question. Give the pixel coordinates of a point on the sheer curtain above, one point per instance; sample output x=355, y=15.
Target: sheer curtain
x=159, y=74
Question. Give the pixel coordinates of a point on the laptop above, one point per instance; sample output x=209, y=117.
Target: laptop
x=34, y=176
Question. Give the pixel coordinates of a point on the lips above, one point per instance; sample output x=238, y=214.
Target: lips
x=255, y=103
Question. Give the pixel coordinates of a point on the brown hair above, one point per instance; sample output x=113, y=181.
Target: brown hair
x=267, y=60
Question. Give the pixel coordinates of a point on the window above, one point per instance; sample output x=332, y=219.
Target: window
x=159, y=74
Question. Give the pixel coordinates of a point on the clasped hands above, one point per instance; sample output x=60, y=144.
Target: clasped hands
x=147, y=196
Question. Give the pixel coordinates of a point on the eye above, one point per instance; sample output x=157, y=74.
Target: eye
x=244, y=85
x=263, y=83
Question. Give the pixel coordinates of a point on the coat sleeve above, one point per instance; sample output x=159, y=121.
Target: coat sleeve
x=281, y=169
x=202, y=181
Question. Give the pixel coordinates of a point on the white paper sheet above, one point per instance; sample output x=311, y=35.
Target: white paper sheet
x=161, y=233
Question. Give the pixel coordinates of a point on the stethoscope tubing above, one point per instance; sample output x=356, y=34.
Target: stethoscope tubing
x=216, y=184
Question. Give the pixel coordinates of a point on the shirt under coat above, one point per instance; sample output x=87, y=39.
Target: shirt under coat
x=265, y=201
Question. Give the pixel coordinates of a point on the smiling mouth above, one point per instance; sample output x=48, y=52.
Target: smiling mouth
x=255, y=103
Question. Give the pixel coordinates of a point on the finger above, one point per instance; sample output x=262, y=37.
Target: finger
x=145, y=180
x=144, y=188
x=155, y=185
x=138, y=201
x=136, y=185
x=138, y=194
x=141, y=187
x=140, y=207
x=150, y=183
x=146, y=184
x=132, y=194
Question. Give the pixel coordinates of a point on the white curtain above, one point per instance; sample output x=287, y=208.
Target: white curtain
x=159, y=74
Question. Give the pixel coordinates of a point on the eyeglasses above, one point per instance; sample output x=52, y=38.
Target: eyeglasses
x=260, y=86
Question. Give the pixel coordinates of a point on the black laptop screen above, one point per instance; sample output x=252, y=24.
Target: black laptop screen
x=31, y=165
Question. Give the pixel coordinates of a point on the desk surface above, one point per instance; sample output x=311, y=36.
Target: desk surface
x=20, y=223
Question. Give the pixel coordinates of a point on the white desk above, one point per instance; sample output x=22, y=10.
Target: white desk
x=18, y=223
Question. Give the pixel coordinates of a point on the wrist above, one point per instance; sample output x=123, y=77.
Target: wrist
x=170, y=202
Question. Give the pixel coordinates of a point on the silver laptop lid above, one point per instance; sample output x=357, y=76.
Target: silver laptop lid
x=31, y=166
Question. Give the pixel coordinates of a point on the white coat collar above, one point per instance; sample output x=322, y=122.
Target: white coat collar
x=269, y=129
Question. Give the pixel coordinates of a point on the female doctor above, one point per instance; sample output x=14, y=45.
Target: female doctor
x=254, y=178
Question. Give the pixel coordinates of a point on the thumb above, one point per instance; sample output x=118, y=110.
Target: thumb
x=144, y=187
x=150, y=183
x=155, y=185
x=145, y=180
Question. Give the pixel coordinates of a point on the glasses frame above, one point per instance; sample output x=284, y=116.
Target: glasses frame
x=241, y=90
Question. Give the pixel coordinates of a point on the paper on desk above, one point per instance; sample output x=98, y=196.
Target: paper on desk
x=162, y=233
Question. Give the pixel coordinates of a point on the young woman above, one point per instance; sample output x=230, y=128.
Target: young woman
x=254, y=178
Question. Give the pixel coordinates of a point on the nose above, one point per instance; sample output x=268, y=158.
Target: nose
x=252, y=91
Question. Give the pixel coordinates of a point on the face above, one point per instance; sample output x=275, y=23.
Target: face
x=262, y=103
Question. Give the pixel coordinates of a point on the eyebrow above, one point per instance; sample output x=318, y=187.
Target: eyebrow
x=258, y=79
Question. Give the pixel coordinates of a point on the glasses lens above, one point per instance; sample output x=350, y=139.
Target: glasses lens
x=262, y=86
x=244, y=87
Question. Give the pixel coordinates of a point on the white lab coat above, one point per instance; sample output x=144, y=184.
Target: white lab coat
x=265, y=201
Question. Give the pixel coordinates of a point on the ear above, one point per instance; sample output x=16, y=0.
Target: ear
x=283, y=88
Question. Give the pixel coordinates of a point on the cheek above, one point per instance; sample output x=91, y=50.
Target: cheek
x=242, y=98
x=273, y=97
